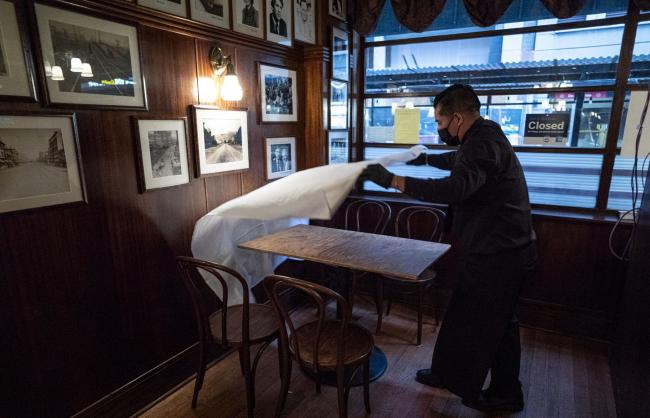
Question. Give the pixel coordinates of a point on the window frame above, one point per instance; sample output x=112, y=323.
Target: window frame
x=620, y=87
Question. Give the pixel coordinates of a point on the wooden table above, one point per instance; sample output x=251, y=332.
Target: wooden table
x=391, y=256
x=381, y=254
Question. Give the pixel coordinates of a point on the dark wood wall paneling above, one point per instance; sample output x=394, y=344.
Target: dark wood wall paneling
x=89, y=294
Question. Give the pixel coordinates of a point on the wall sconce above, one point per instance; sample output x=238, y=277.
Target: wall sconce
x=222, y=66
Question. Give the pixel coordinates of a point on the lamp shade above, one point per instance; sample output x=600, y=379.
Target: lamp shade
x=231, y=89
x=76, y=65
x=87, y=70
x=57, y=73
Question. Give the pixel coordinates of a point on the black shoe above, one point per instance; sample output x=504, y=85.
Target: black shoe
x=427, y=377
x=490, y=402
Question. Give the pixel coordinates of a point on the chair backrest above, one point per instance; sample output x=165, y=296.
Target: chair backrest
x=420, y=222
x=366, y=215
x=318, y=294
x=190, y=269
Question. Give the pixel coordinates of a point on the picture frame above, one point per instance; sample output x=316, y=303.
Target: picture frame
x=279, y=21
x=304, y=21
x=248, y=17
x=161, y=145
x=338, y=147
x=337, y=9
x=221, y=139
x=338, y=105
x=278, y=93
x=280, y=157
x=212, y=12
x=175, y=7
x=17, y=80
x=340, y=54
x=66, y=36
x=34, y=146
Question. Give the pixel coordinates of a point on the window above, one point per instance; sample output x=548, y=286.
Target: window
x=564, y=69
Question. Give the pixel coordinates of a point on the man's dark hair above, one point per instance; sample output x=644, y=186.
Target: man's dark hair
x=276, y=1
x=457, y=98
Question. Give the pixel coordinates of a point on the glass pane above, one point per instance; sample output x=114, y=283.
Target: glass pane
x=640, y=72
x=574, y=57
x=553, y=179
x=562, y=179
x=454, y=18
x=515, y=113
x=620, y=191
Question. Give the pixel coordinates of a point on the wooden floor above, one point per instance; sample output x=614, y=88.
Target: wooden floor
x=561, y=376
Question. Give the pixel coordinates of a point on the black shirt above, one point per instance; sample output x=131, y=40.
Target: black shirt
x=486, y=188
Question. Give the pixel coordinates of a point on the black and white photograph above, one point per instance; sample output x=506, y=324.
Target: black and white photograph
x=162, y=152
x=248, y=17
x=38, y=162
x=337, y=8
x=340, y=54
x=280, y=157
x=337, y=147
x=278, y=21
x=212, y=12
x=15, y=74
x=304, y=18
x=279, y=95
x=89, y=60
x=222, y=142
x=176, y=7
x=338, y=104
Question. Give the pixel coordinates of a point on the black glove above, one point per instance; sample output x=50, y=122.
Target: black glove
x=377, y=174
x=419, y=160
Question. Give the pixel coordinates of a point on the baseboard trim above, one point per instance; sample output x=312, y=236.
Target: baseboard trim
x=148, y=388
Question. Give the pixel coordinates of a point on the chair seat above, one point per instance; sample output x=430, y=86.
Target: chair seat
x=427, y=276
x=263, y=324
x=358, y=344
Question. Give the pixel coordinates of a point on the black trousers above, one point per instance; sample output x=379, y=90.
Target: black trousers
x=480, y=331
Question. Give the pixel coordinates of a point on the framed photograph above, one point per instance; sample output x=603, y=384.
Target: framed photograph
x=89, y=61
x=16, y=69
x=221, y=139
x=212, y=12
x=278, y=21
x=280, y=157
x=175, y=7
x=337, y=8
x=304, y=18
x=340, y=54
x=338, y=104
x=248, y=17
x=278, y=89
x=338, y=147
x=162, y=152
x=39, y=161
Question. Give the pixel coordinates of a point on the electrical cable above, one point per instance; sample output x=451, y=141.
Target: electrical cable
x=634, y=185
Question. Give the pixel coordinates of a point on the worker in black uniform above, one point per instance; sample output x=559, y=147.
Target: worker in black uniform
x=491, y=218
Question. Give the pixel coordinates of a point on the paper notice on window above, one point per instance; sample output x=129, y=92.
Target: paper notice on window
x=632, y=121
x=407, y=126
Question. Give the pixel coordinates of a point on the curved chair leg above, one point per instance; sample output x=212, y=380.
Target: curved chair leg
x=340, y=390
x=390, y=303
x=379, y=303
x=366, y=385
x=245, y=361
x=285, y=378
x=258, y=355
x=420, y=302
x=200, y=374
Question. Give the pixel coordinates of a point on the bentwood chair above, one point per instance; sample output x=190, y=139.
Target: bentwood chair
x=321, y=344
x=415, y=222
x=229, y=326
x=365, y=215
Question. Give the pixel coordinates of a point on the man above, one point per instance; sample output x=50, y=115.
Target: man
x=489, y=197
x=277, y=25
x=249, y=14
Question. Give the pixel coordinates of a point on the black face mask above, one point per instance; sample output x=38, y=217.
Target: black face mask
x=448, y=138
